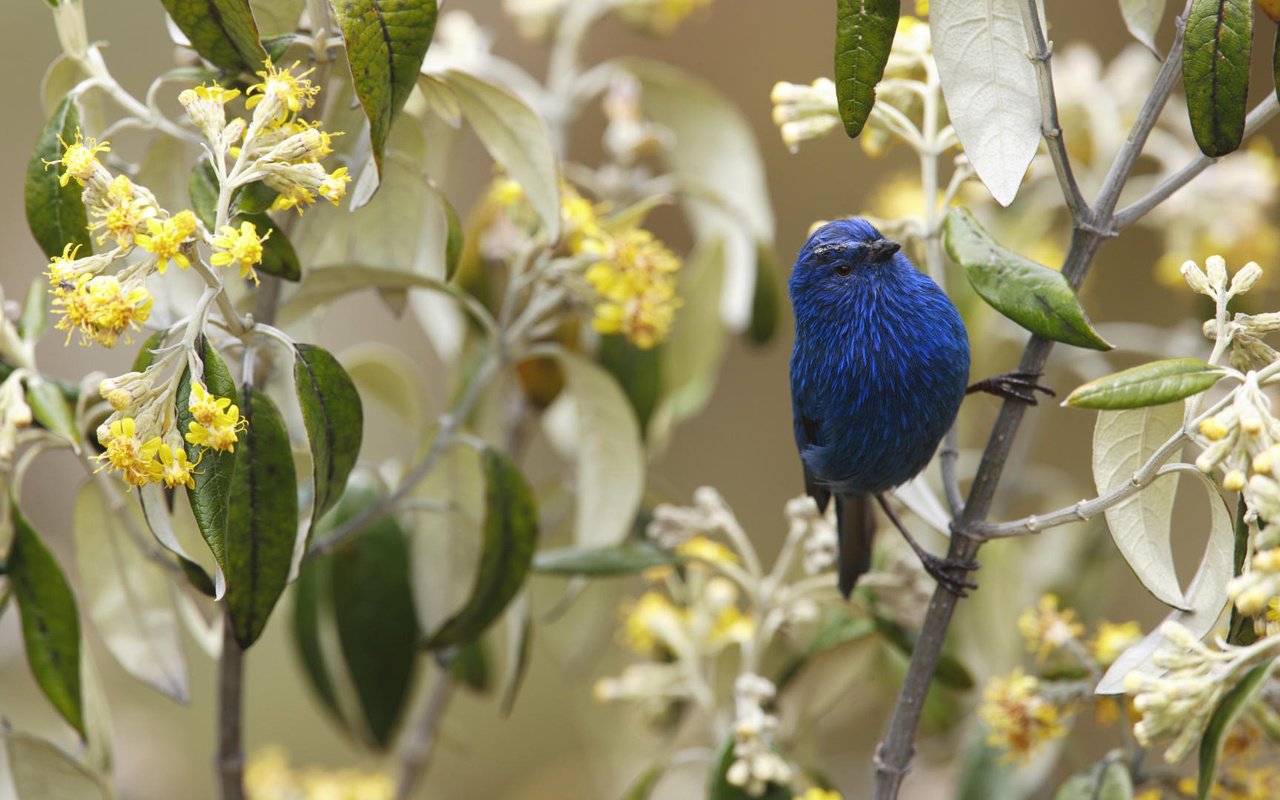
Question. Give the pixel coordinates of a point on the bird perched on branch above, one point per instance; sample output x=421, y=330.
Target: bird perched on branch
x=880, y=366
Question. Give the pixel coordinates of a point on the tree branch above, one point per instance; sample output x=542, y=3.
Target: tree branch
x=1050, y=128
x=230, y=707
x=419, y=744
x=893, y=757
x=1260, y=115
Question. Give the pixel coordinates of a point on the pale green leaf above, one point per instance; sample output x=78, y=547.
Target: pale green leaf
x=1142, y=18
x=1150, y=384
x=40, y=771
x=1232, y=705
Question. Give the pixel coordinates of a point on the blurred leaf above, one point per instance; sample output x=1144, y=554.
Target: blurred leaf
x=203, y=186
x=987, y=775
x=470, y=666
x=519, y=649
x=516, y=137
x=312, y=611
x=329, y=283
x=50, y=621
x=126, y=595
x=223, y=32
x=334, y=419
x=637, y=371
x=277, y=16
x=1205, y=597
x=145, y=356
x=1233, y=704
x=373, y=609
x=765, y=302
x=198, y=578
x=161, y=169
x=40, y=771
x=50, y=408
x=386, y=42
x=721, y=789
x=593, y=414
x=864, y=35
x=719, y=167
x=1037, y=298
x=1150, y=384
x=1215, y=72
x=278, y=256
x=210, y=497
x=56, y=213
x=34, y=310
x=63, y=74
x=990, y=87
x=949, y=672
x=386, y=375
x=690, y=357
x=642, y=788
x=838, y=629
x=627, y=558
x=1142, y=18
x=1275, y=55
x=510, y=536
x=262, y=518
x=1109, y=779
x=1140, y=525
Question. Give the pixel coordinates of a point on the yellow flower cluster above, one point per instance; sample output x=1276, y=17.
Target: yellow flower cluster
x=657, y=16
x=100, y=306
x=1046, y=628
x=268, y=776
x=215, y=420
x=654, y=625
x=1018, y=717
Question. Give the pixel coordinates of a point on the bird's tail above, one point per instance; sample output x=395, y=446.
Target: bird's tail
x=856, y=529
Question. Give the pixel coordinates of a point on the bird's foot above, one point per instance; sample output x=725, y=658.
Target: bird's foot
x=1017, y=385
x=950, y=573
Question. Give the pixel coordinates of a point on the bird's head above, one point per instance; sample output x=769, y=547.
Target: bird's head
x=840, y=256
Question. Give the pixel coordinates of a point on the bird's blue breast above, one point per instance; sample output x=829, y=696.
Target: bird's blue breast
x=880, y=366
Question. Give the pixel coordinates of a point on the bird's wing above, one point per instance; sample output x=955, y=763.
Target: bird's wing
x=807, y=430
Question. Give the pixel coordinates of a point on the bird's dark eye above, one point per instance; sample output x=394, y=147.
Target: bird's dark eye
x=844, y=268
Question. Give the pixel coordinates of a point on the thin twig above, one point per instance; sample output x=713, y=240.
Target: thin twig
x=419, y=744
x=1050, y=128
x=230, y=722
x=1260, y=115
x=893, y=757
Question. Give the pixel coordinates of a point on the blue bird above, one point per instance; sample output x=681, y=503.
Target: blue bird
x=879, y=369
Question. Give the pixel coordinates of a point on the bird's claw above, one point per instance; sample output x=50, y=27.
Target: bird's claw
x=1018, y=385
x=943, y=570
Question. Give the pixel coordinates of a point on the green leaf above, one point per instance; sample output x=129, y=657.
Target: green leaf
x=986, y=774
x=454, y=239
x=627, y=558
x=637, y=371
x=1109, y=779
x=34, y=310
x=516, y=137
x=1037, y=298
x=126, y=595
x=203, y=185
x=1142, y=18
x=262, y=518
x=519, y=650
x=223, y=32
x=211, y=495
x=864, y=34
x=334, y=419
x=1233, y=704
x=642, y=787
x=277, y=17
x=1150, y=384
x=949, y=672
x=839, y=629
x=386, y=42
x=50, y=621
x=146, y=356
x=470, y=666
x=1215, y=72
x=1140, y=525
x=767, y=298
x=51, y=409
x=373, y=608
x=510, y=535
x=312, y=612
x=56, y=213
x=40, y=771
x=278, y=256
x=721, y=789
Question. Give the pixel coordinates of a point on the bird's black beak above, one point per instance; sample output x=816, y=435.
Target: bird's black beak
x=882, y=249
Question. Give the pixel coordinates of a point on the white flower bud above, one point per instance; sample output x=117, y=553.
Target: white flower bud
x=1195, y=278
x=1216, y=267
x=1245, y=279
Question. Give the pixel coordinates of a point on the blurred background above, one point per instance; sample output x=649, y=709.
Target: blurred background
x=558, y=742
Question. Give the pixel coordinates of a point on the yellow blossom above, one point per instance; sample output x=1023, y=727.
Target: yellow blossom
x=60, y=271
x=657, y=16
x=206, y=407
x=215, y=420
x=814, y=793
x=282, y=92
x=80, y=159
x=213, y=94
x=101, y=308
x=703, y=549
x=122, y=212
x=1112, y=639
x=648, y=622
x=1213, y=429
x=243, y=247
x=127, y=454
x=334, y=187
x=507, y=193
x=294, y=196
x=176, y=468
x=635, y=282
x=732, y=626
x=1047, y=629
x=165, y=239
x=1018, y=718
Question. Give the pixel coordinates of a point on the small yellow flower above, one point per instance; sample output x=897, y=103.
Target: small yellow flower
x=127, y=454
x=1112, y=639
x=1047, y=629
x=295, y=196
x=732, y=627
x=122, y=212
x=60, y=271
x=701, y=548
x=165, y=239
x=282, y=92
x=206, y=407
x=80, y=159
x=334, y=187
x=176, y=468
x=212, y=94
x=1018, y=718
x=814, y=793
x=659, y=17
x=243, y=247
x=216, y=421
x=101, y=308
x=647, y=623
x=506, y=193
x=1213, y=429
x=635, y=283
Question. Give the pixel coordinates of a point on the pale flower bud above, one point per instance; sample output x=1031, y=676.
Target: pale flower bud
x=1195, y=278
x=1216, y=267
x=1245, y=279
